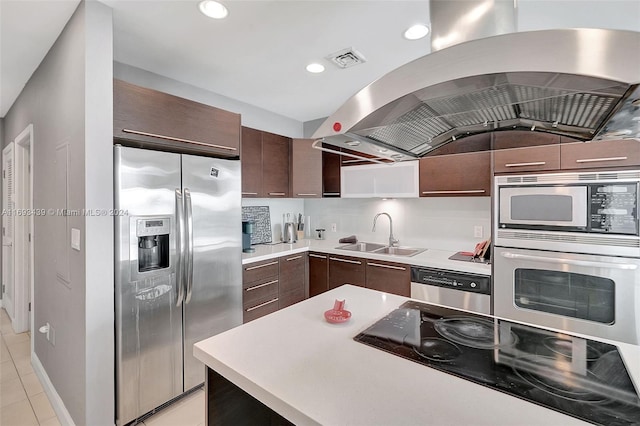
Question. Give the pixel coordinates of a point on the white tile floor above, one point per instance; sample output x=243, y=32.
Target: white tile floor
x=189, y=411
x=22, y=399
x=24, y=403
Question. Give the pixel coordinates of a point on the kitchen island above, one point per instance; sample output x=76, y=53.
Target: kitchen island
x=298, y=367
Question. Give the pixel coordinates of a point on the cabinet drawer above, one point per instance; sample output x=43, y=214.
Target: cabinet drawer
x=260, y=309
x=258, y=271
x=533, y=158
x=257, y=291
x=586, y=155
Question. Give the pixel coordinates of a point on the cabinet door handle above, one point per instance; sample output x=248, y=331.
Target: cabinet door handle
x=307, y=195
x=534, y=163
x=399, y=268
x=249, y=193
x=171, y=138
x=465, y=191
x=345, y=260
x=317, y=255
x=330, y=193
x=594, y=160
x=255, y=287
x=293, y=258
x=573, y=262
x=261, y=305
x=279, y=194
x=260, y=266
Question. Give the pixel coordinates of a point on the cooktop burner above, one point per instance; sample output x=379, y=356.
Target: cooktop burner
x=438, y=350
x=473, y=332
x=579, y=377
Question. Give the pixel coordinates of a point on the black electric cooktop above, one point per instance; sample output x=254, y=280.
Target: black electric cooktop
x=576, y=376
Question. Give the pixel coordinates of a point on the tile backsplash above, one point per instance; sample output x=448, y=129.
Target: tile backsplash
x=439, y=223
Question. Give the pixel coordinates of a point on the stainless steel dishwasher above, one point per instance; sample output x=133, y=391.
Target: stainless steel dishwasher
x=459, y=290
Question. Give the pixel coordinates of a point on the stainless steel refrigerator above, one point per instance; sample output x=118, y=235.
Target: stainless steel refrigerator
x=178, y=270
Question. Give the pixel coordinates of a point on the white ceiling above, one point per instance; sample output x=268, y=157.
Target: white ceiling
x=256, y=55
x=259, y=53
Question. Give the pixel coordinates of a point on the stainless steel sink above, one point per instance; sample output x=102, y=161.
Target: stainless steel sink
x=381, y=249
x=398, y=251
x=364, y=247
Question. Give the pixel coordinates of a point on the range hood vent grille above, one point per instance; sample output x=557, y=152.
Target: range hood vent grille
x=433, y=121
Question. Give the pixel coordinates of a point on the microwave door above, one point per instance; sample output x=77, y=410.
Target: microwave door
x=543, y=206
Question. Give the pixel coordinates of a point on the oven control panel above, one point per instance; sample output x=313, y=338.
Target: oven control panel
x=613, y=208
x=451, y=279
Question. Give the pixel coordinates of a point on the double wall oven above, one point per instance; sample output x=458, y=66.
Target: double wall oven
x=567, y=252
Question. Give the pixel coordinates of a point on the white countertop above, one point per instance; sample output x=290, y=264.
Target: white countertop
x=313, y=372
x=430, y=258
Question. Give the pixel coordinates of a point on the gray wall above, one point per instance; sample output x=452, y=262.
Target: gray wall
x=252, y=116
x=69, y=101
x=311, y=126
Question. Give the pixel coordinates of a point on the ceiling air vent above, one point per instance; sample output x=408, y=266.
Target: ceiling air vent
x=346, y=58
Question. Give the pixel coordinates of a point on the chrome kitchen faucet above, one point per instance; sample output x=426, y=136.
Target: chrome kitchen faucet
x=393, y=242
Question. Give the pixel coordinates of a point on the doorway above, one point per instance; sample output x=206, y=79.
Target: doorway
x=17, y=225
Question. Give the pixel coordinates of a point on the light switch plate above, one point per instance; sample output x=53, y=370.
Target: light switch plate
x=75, y=239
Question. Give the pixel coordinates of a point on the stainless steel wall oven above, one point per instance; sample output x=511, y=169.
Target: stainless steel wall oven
x=592, y=295
x=567, y=252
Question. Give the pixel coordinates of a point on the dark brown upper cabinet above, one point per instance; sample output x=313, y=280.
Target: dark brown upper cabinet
x=148, y=118
x=599, y=154
x=456, y=175
x=306, y=169
x=331, y=173
x=276, y=151
x=251, y=161
x=521, y=151
x=265, y=164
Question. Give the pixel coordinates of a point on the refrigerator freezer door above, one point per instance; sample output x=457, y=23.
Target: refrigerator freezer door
x=215, y=293
x=148, y=313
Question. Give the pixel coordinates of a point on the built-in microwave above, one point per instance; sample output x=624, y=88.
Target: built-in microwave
x=578, y=212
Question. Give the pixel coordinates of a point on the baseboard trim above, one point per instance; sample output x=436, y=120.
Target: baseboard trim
x=56, y=402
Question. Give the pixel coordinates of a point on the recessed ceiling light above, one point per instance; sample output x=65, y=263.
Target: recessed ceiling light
x=416, y=32
x=315, y=68
x=213, y=9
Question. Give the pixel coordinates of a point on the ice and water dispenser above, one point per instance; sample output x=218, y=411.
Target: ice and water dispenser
x=153, y=243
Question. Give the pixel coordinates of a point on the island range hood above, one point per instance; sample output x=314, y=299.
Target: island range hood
x=581, y=83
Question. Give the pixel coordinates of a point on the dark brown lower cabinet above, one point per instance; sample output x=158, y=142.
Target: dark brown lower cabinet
x=260, y=282
x=292, y=279
x=346, y=270
x=389, y=277
x=318, y=273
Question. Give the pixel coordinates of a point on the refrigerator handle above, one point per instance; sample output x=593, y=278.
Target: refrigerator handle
x=189, y=258
x=180, y=247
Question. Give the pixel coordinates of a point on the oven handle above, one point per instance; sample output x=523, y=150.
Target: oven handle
x=627, y=266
